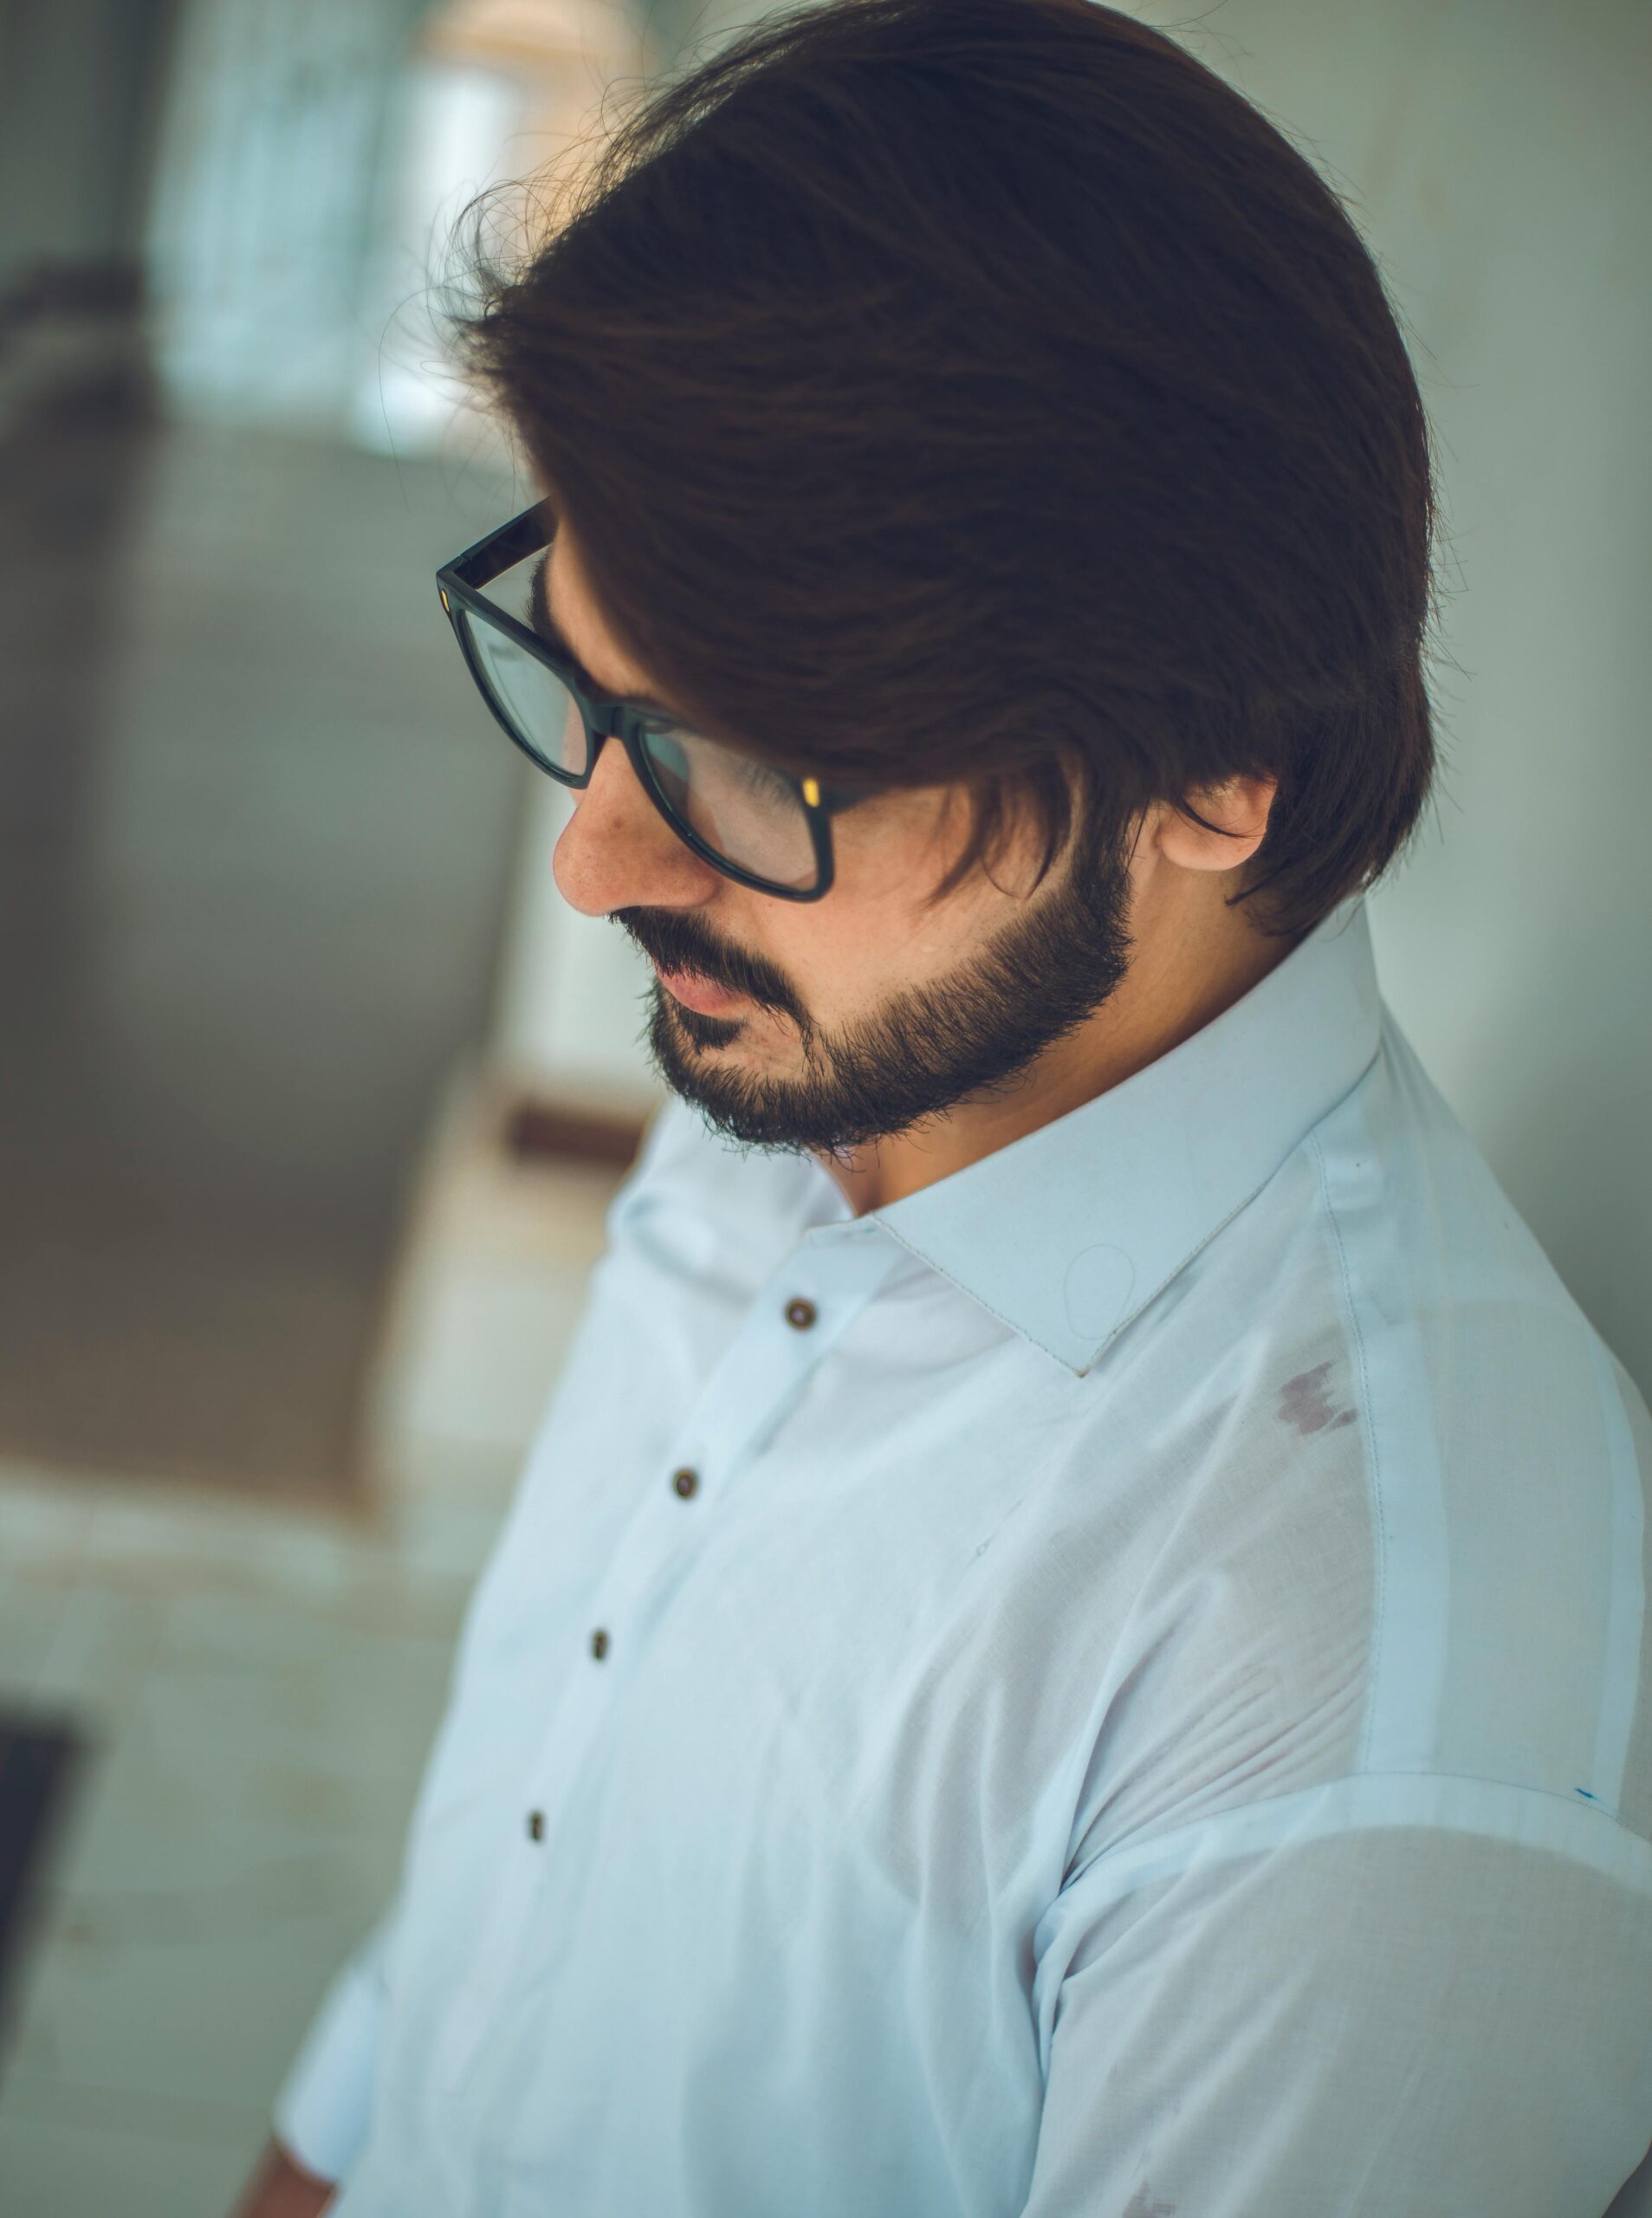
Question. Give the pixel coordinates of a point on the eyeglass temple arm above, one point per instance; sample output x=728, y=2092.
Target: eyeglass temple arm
x=501, y=549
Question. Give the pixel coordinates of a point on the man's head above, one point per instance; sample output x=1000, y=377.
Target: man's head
x=978, y=400
x=865, y=1015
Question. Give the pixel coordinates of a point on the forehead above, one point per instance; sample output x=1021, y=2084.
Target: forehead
x=557, y=581
x=558, y=577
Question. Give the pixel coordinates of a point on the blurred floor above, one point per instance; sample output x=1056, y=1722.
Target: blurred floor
x=259, y=1682
x=254, y=837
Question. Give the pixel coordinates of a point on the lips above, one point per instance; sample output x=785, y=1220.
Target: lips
x=698, y=993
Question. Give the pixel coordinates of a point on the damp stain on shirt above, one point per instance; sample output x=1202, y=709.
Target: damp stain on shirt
x=1304, y=1403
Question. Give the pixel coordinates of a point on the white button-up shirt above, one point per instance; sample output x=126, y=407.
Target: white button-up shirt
x=1116, y=1684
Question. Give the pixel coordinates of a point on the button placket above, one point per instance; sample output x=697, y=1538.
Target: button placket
x=742, y=1403
x=514, y=1882
x=810, y=1301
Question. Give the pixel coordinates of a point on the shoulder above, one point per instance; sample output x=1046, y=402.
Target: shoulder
x=1397, y=1507
x=1508, y=1460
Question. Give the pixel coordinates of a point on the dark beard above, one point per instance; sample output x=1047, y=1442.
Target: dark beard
x=970, y=1036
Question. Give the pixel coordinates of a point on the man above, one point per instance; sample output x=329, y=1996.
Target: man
x=1072, y=1639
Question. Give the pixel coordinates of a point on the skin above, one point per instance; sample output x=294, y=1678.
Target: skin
x=280, y=2187
x=899, y=1044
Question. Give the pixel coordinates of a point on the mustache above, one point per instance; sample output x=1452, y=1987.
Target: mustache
x=670, y=949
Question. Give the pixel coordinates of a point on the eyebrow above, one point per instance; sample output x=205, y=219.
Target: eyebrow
x=539, y=615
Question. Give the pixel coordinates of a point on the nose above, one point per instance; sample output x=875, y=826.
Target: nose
x=618, y=852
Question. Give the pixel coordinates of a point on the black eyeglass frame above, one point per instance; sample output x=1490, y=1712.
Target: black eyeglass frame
x=606, y=716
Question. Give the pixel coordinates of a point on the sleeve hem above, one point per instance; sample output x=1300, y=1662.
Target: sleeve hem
x=321, y=2111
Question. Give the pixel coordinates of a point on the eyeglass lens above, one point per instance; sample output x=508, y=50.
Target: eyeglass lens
x=746, y=812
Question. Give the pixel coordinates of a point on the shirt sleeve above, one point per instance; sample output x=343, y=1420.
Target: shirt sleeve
x=322, y=2107
x=1390, y=2021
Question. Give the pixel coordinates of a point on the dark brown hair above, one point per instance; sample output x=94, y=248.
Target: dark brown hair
x=982, y=392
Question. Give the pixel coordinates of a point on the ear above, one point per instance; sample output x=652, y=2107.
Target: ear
x=1238, y=807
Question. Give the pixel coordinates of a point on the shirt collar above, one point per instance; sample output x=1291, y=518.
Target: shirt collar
x=1067, y=1232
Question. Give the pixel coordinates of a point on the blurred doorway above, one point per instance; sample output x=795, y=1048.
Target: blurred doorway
x=255, y=833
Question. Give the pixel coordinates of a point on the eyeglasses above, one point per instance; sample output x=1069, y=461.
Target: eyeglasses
x=757, y=824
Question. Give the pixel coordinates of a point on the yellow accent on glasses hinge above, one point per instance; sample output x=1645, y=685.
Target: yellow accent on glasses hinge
x=811, y=793
x=443, y=599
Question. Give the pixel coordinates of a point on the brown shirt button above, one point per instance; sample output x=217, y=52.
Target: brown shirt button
x=599, y=1644
x=800, y=1313
x=536, y=1825
x=685, y=1482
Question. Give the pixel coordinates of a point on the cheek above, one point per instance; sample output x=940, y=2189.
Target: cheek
x=880, y=949
x=890, y=851
x=873, y=933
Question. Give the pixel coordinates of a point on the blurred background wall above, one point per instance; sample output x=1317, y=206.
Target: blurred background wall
x=315, y=1091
